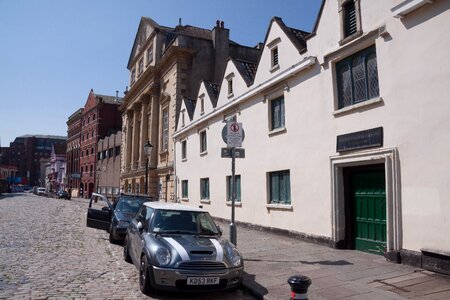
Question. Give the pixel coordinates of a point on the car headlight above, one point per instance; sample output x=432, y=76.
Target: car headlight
x=233, y=255
x=163, y=256
x=123, y=224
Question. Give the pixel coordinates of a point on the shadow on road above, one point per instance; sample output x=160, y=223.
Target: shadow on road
x=318, y=262
x=9, y=195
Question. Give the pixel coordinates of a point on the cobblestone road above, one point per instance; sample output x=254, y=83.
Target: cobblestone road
x=47, y=252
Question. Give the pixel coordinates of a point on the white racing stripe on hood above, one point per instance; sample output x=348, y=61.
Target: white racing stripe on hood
x=180, y=249
x=219, y=249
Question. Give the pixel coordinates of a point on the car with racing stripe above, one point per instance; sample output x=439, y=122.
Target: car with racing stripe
x=179, y=247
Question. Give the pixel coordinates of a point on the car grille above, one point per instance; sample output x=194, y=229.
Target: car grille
x=202, y=265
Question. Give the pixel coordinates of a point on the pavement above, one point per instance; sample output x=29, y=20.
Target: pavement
x=47, y=252
x=270, y=259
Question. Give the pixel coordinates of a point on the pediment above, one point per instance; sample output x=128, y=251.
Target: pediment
x=146, y=27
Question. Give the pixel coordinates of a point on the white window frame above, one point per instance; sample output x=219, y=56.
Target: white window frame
x=205, y=150
x=183, y=150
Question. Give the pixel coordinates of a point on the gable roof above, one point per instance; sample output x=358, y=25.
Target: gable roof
x=246, y=69
x=190, y=103
x=297, y=36
x=213, y=91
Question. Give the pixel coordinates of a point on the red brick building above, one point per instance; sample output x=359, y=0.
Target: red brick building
x=100, y=117
x=73, y=153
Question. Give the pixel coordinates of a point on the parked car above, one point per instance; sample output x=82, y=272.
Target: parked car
x=116, y=217
x=179, y=247
x=40, y=191
x=63, y=195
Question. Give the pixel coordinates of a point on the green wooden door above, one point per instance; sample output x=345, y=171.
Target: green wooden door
x=369, y=198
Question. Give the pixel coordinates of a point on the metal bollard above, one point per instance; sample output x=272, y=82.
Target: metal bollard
x=299, y=286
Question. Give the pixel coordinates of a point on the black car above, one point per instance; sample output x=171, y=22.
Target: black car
x=63, y=195
x=114, y=218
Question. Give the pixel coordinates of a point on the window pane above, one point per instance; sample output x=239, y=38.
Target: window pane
x=274, y=188
x=345, y=86
x=359, y=79
x=372, y=76
x=165, y=137
x=277, y=113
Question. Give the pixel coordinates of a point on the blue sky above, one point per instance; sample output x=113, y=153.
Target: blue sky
x=52, y=52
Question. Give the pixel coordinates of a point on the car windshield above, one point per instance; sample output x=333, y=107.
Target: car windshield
x=129, y=204
x=183, y=222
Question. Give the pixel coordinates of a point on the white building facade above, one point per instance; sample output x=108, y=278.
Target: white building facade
x=347, y=131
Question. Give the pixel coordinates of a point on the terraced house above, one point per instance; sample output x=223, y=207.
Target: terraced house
x=347, y=132
x=166, y=65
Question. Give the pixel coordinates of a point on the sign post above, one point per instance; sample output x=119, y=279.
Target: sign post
x=233, y=135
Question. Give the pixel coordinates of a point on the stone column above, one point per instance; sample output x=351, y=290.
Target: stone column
x=136, y=136
x=128, y=140
x=144, y=135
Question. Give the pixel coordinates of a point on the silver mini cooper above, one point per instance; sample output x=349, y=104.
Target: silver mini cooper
x=179, y=247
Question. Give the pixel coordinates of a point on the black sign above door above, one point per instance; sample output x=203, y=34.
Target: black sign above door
x=360, y=140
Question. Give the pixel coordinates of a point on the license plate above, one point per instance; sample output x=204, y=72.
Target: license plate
x=202, y=280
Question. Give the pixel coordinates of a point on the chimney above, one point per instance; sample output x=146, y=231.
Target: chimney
x=221, y=44
x=117, y=96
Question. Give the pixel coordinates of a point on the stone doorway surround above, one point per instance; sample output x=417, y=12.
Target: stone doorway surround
x=388, y=157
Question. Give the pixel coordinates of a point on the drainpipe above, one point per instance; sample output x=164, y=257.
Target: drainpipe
x=175, y=177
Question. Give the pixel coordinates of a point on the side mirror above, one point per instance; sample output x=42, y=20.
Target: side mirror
x=219, y=229
x=106, y=208
x=139, y=226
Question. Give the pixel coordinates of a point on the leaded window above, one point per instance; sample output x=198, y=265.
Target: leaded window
x=277, y=113
x=183, y=149
x=280, y=187
x=237, y=179
x=184, y=188
x=204, y=188
x=357, y=78
x=203, y=142
x=165, y=130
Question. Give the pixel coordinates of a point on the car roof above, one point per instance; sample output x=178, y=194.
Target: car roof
x=172, y=206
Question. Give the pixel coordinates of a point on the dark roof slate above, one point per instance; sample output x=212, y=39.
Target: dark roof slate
x=190, y=106
x=213, y=91
x=246, y=69
x=297, y=37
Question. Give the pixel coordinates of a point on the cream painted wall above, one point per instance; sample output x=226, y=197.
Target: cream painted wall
x=414, y=111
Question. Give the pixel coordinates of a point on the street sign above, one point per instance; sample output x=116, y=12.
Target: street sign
x=225, y=134
x=238, y=152
x=234, y=134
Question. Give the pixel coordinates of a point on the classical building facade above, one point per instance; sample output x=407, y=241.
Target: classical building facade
x=108, y=165
x=100, y=117
x=73, y=152
x=166, y=66
x=347, y=132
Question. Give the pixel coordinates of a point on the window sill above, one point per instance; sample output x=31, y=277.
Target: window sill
x=185, y=199
x=356, y=107
x=280, y=206
x=236, y=203
x=230, y=95
x=203, y=153
x=274, y=68
x=164, y=152
x=184, y=159
x=205, y=201
x=350, y=38
x=277, y=131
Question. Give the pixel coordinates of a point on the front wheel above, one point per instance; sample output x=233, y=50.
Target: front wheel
x=144, y=277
